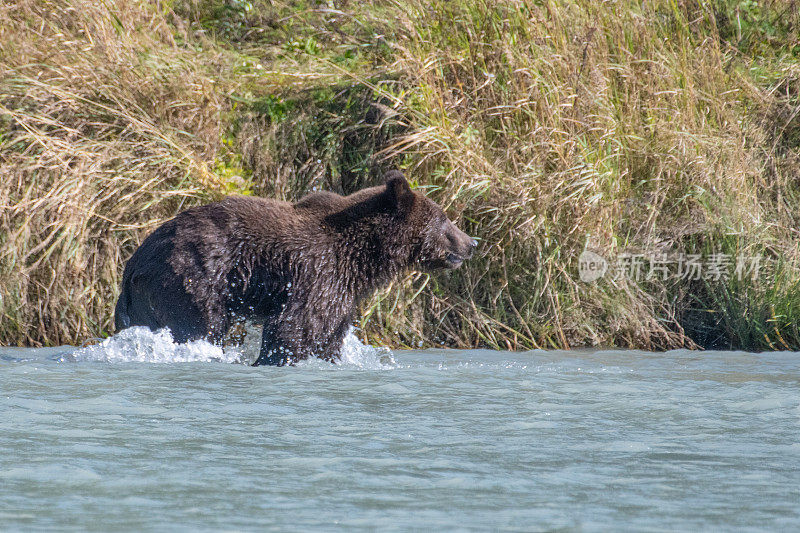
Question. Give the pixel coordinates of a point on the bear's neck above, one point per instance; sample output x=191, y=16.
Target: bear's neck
x=368, y=263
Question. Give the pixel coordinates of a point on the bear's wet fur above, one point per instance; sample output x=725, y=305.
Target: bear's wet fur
x=299, y=269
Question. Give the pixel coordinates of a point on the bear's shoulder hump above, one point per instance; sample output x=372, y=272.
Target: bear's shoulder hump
x=322, y=202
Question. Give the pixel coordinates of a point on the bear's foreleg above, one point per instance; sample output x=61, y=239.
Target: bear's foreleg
x=310, y=331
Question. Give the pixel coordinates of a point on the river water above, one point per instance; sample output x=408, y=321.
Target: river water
x=139, y=433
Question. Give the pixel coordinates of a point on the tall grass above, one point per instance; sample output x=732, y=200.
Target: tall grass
x=105, y=131
x=546, y=128
x=554, y=128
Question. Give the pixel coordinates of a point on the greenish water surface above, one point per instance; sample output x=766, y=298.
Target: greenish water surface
x=140, y=433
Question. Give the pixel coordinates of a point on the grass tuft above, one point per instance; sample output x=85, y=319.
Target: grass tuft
x=546, y=128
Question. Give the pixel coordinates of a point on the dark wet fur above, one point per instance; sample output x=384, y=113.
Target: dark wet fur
x=299, y=269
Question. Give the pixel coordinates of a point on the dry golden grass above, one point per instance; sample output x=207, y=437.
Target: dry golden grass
x=102, y=138
x=547, y=127
x=612, y=127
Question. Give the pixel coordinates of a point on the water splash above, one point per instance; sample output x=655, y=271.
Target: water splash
x=141, y=345
x=356, y=353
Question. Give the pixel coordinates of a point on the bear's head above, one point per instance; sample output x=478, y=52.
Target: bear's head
x=433, y=240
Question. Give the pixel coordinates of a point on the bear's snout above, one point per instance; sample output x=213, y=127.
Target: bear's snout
x=461, y=246
x=473, y=243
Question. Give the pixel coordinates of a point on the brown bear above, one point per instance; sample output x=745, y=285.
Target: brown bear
x=299, y=269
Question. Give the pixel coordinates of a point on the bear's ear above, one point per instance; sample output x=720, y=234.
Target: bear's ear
x=398, y=191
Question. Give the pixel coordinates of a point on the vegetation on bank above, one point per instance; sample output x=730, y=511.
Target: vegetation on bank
x=546, y=127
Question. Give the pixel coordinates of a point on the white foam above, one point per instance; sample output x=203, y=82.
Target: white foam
x=141, y=345
x=356, y=354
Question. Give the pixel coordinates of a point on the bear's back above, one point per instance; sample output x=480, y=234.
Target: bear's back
x=321, y=203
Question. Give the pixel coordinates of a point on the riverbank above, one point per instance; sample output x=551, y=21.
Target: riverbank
x=649, y=136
